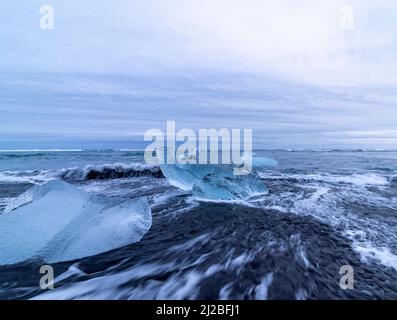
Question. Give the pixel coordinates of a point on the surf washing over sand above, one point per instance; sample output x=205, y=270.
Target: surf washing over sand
x=117, y=228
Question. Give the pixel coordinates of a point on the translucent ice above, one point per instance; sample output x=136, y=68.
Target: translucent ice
x=224, y=187
x=91, y=233
x=38, y=192
x=262, y=162
x=59, y=222
x=184, y=176
x=217, y=181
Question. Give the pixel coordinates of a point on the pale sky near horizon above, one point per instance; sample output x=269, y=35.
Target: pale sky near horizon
x=110, y=70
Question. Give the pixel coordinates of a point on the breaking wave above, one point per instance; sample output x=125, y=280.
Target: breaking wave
x=111, y=171
x=102, y=172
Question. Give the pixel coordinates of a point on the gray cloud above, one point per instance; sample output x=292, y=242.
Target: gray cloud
x=285, y=70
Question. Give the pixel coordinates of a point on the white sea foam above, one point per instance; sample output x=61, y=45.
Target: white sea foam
x=329, y=198
x=301, y=294
x=191, y=243
x=262, y=289
x=33, y=177
x=383, y=254
x=359, y=179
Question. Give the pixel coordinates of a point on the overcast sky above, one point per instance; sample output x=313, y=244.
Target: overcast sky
x=110, y=70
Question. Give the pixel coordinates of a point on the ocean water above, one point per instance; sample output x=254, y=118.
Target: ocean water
x=324, y=210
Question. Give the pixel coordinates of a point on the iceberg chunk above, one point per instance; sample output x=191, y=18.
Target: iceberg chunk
x=37, y=192
x=224, y=187
x=37, y=216
x=59, y=222
x=184, y=176
x=92, y=233
x=218, y=182
x=262, y=162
